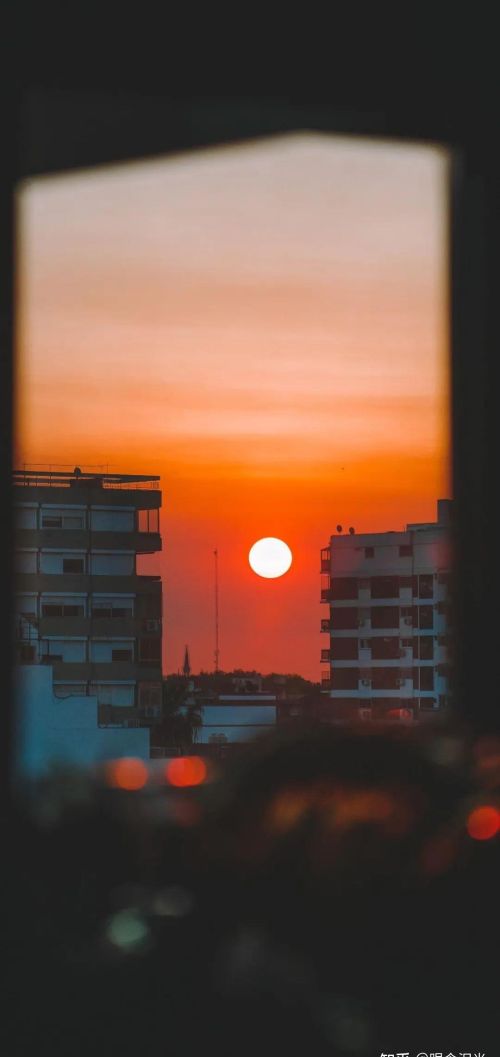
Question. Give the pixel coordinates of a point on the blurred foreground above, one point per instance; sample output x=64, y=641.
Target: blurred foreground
x=327, y=891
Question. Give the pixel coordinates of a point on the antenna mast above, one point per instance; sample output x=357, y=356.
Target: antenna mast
x=216, y=654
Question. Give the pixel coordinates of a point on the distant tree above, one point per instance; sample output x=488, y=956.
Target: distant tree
x=182, y=714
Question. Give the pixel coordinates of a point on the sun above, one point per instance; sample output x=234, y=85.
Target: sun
x=270, y=557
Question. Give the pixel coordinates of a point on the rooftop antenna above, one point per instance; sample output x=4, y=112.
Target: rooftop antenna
x=216, y=653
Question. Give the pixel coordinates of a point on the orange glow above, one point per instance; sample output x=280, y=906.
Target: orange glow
x=483, y=823
x=266, y=328
x=339, y=807
x=185, y=771
x=128, y=773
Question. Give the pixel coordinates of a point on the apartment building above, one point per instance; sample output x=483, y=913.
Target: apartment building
x=82, y=606
x=389, y=621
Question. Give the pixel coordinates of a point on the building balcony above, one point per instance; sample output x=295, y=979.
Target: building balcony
x=326, y=624
x=325, y=655
x=83, y=583
x=99, y=628
x=86, y=540
x=118, y=716
x=111, y=671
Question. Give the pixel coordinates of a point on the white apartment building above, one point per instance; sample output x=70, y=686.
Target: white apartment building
x=388, y=623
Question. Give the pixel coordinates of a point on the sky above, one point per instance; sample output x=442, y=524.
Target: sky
x=265, y=326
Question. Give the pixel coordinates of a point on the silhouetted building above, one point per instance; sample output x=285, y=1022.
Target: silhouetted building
x=81, y=605
x=389, y=621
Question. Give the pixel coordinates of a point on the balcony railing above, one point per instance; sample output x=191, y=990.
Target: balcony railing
x=60, y=476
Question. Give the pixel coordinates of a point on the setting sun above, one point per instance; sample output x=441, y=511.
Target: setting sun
x=270, y=557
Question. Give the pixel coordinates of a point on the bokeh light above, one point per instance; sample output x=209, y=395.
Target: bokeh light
x=483, y=822
x=185, y=771
x=128, y=773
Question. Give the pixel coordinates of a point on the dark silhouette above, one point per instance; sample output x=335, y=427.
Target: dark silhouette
x=321, y=895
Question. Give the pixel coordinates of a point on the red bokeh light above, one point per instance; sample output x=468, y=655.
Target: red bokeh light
x=128, y=773
x=483, y=823
x=185, y=771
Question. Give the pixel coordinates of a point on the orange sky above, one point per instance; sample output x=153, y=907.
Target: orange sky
x=266, y=327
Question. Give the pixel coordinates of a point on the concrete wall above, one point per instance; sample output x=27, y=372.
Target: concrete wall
x=64, y=731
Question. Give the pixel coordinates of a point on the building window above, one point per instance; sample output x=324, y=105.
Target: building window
x=405, y=550
x=119, y=696
x=344, y=619
x=73, y=565
x=150, y=649
x=70, y=689
x=148, y=520
x=386, y=678
x=103, y=564
x=342, y=650
x=150, y=695
x=49, y=610
x=58, y=519
x=344, y=588
x=109, y=608
x=325, y=560
x=427, y=704
x=369, y=552
x=385, y=649
x=425, y=617
x=385, y=617
x=345, y=678
x=112, y=520
x=426, y=678
x=425, y=647
x=426, y=585
x=121, y=655
x=385, y=587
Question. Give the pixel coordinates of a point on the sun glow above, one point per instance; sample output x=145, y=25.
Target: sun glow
x=270, y=557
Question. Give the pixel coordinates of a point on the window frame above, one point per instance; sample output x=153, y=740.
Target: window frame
x=158, y=125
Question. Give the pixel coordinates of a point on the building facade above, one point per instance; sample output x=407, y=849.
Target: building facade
x=389, y=622
x=50, y=735
x=82, y=606
x=230, y=718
